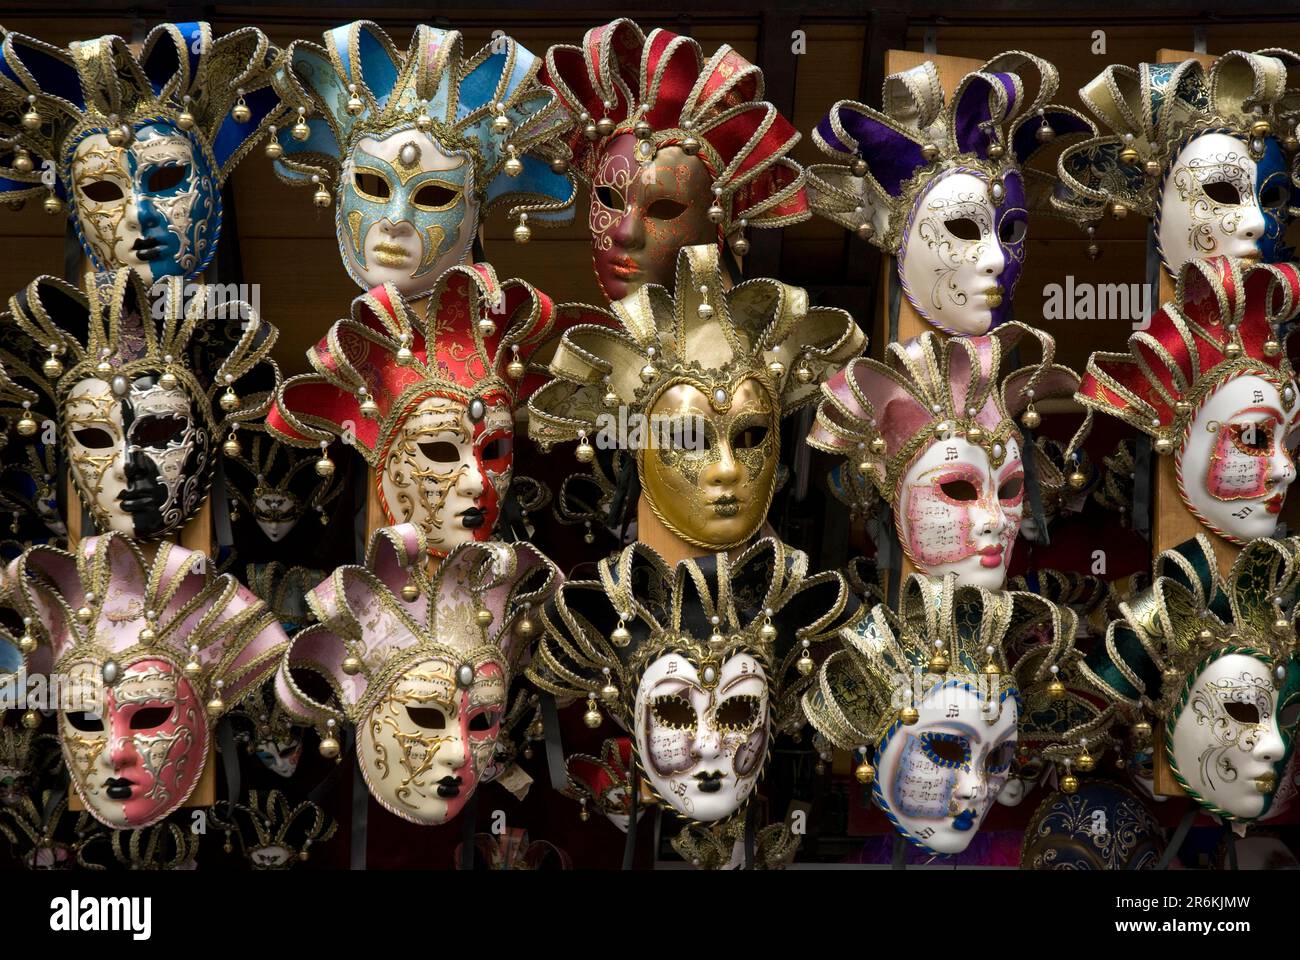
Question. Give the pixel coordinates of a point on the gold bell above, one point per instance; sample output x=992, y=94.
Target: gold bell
x=590, y=132
x=865, y=231
x=230, y=400
x=103, y=368
x=355, y=106
x=1092, y=251
x=501, y=125
x=321, y=197
x=186, y=120
x=642, y=129
x=410, y=592
x=1031, y=418
x=865, y=773
x=240, y=112
x=1119, y=211
x=52, y=205
x=31, y=719
x=1272, y=348
x=1163, y=446
x=649, y=373
x=974, y=433
x=611, y=398
x=1182, y=409
x=27, y=643
x=31, y=119
x=487, y=326
x=1261, y=129
x=231, y=447
x=148, y=635
x=526, y=627
x=168, y=381
x=1129, y=157
x=23, y=161
x=1056, y=689
x=514, y=166
x=620, y=637
x=216, y=705
x=404, y=355
x=484, y=617
x=193, y=669
x=523, y=233
x=329, y=748
x=1085, y=761
x=777, y=369
x=1232, y=351
x=26, y=425
x=1291, y=144
x=1142, y=730
x=1152, y=168
x=604, y=126
x=716, y=213
x=741, y=246
x=803, y=374
x=300, y=131
x=859, y=167
x=592, y=717
x=991, y=669
x=116, y=135
x=929, y=152
x=690, y=146
x=1282, y=626
x=52, y=367
x=369, y=407
x=351, y=666
x=909, y=716
x=559, y=165
x=1077, y=479
x=1069, y=784
x=324, y=467
x=424, y=122
x=805, y=664
x=609, y=692
x=516, y=367
x=938, y=663
x=273, y=150
x=878, y=446
x=1045, y=133
x=85, y=614
x=585, y=452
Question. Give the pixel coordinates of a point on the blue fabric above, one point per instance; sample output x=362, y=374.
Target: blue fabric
x=232, y=135
x=52, y=75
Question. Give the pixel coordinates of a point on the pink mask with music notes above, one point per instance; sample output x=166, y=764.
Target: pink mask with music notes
x=957, y=513
x=1234, y=466
x=702, y=732
x=937, y=778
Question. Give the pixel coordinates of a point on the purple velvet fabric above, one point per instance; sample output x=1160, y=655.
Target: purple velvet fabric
x=891, y=156
x=1011, y=209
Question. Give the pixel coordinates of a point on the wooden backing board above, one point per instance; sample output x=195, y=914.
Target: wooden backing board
x=1173, y=522
x=204, y=795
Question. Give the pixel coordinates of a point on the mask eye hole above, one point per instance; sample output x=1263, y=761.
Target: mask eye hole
x=158, y=431
x=427, y=718
x=435, y=196
x=1242, y=712
x=497, y=449
x=609, y=197
x=440, y=451
x=666, y=209
x=963, y=228
x=736, y=714
x=674, y=712
x=1222, y=192
x=85, y=722
x=999, y=760
x=150, y=718
x=482, y=722
x=948, y=750
x=93, y=438
x=1011, y=488
x=371, y=185
x=1012, y=230
x=1274, y=195
x=959, y=490
x=1254, y=439
x=102, y=191
x=163, y=179
x=749, y=437
x=1289, y=715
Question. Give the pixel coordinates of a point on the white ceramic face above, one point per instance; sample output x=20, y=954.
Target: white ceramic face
x=958, y=514
x=701, y=734
x=280, y=756
x=272, y=857
x=952, y=263
x=407, y=211
x=1234, y=466
x=1210, y=207
x=276, y=511
x=1228, y=739
x=447, y=473
x=940, y=776
x=427, y=742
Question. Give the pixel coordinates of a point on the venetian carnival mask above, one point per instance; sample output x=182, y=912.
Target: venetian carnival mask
x=138, y=145
x=699, y=664
x=138, y=397
x=266, y=731
x=1100, y=827
x=1211, y=382
x=153, y=659
x=1199, y=153
x=928, y=695
x=932, y=428
x=432, y=402
x=675, y=150
x=947, y=190
x=1213, y=660
x=416, y=148
x=605, y=782
x=277, y=485
x=704, y=380
x=424, y=680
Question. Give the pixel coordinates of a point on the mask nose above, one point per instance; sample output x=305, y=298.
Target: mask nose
x=990, y=521
x=628, y=231
x=1269, y=748
x=991, y=260
x=707, y=744
x=470, y=483
x=726, y=471
x=970, y=787
x=1252, y=226
x=1281, y=467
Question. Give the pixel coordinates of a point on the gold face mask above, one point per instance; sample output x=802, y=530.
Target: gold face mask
x=711, y=473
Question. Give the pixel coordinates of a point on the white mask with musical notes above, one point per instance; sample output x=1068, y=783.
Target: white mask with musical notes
x=937, y=778
x=1234, y=466
x=702, y=732
x=959, y=514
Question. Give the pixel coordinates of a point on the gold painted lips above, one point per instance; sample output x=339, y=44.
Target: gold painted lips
x=993, y=296
x=1266, y=783
x=391, y=254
